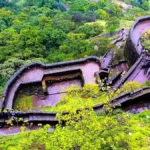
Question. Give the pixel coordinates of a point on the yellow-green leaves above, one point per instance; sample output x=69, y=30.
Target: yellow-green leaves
x=121, y=131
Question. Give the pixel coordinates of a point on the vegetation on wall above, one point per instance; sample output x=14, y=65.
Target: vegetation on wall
x=60, y=30
x=78, y=98
x=84, y=129
x=145, y=40
x=23, y=103
x=114, y=130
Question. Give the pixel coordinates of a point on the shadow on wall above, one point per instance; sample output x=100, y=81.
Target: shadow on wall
x=48, y=81
x=137, y=105
x=48, y=92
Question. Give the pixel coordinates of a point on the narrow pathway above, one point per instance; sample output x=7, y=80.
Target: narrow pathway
x=108, y=57
x=106, y=61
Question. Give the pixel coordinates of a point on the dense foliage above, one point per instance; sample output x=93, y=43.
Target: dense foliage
x=84, y=129
x=115, y=130
x=78, y=98
x=44, y=29
x=144, y=4
x=58, y=30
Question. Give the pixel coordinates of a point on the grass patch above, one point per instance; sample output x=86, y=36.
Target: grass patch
x=126, y=24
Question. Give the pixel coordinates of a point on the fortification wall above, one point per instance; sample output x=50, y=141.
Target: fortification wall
x=90, y=67
x=35, y=72
x=133, y=46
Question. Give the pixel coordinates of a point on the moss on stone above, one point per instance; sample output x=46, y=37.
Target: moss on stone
x=23, y=103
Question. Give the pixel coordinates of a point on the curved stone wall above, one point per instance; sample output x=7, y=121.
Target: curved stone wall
x=35, y=72
x=133, y=46
x=90, y=68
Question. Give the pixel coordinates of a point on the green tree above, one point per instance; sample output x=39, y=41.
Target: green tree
x=112, y=24
x=79, y=5
x=91, y=30
x=30, y=42
x=3, y=25
x=45, y=22
x=101, y=14
x=8, y=43
x=114, y=10
x=9, y=67
x=64, y=24
x=7, y=16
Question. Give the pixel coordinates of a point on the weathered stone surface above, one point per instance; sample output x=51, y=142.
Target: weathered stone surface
x=35, y=72
x=133, y=46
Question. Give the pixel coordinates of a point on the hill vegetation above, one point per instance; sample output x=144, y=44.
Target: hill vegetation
x=116, y=130
x=54, y=31
x=60, y=30
x=111, y=129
